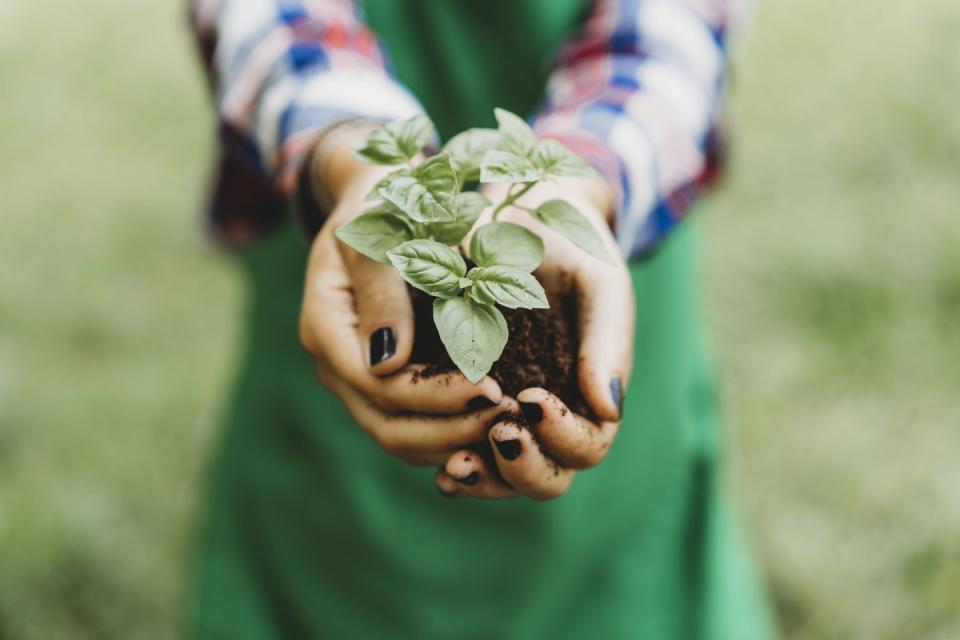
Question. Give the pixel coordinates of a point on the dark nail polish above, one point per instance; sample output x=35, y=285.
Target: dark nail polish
x=509, y=449
x=532, y=413
x=470, y=480
x=383, y=344
x=616, y=393
x=480, y=402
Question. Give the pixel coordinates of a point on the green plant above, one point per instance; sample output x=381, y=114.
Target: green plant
x=423, y=211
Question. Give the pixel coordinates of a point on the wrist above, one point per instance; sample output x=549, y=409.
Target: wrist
x=598, y=194
x=328, y=171
x=338, y=174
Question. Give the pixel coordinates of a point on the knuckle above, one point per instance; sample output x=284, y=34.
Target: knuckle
x=593, y=457
x=383, y=399
x=387, y=440
x=376, y=392
x=595, y=453
x=530, y=484
x=581, y=459
x=550, y=492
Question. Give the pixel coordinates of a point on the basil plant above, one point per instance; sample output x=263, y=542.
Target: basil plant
x=421, y=213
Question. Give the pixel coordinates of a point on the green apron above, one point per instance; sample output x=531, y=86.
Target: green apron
x=313, y=532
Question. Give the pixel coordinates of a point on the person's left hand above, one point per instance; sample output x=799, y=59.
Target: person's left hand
x=538, y=459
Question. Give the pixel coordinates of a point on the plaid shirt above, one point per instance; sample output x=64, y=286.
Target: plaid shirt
x=636, y=91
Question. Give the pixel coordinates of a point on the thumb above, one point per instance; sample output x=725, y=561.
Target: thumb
x=384, y=314
x=606, y=318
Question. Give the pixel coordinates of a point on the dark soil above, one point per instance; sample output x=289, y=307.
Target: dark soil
x=541, y=350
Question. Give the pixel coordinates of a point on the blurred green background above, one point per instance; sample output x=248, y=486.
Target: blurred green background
x=831, y=259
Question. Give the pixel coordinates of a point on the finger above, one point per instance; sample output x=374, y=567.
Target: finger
x=447, y=486
x=384, y=313
x=327, y=328
x=571, y=439
x=606, y=320
x=415, y=389
x=523, y=464
x=420, y=439
x=476, y=479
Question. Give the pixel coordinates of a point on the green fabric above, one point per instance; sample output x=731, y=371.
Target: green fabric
x=312, y=531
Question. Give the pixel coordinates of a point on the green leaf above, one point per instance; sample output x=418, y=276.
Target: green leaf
x=396, y=142
x=469, y=205
x=564, y=218
x=504, y=166
x=420, y=230
x=512, y=288
x=375, y=232
x=426, y=194
x=516, y=136
x=466, y=151
x=473, y=334
x=385, y=181
x=554, y=159
x=429, y=266
x=506, y=244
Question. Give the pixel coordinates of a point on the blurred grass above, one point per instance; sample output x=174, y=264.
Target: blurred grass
x=834, y=279
x=830, y=259
x=117, y=320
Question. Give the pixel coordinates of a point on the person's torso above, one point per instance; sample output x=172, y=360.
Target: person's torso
x=613, y=549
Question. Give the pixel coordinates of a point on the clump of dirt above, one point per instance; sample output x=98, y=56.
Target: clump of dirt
x=542, y=350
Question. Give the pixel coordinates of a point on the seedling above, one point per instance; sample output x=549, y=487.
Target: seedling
x=422, y=211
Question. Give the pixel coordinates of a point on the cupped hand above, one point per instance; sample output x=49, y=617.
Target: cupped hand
x=537, y=456
x=357, y=322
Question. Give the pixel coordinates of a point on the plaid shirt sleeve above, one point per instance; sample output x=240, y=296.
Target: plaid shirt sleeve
x=637, y=92
x=280, y=71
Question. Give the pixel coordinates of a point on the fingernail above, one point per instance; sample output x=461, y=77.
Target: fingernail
x=383, y=344
x=480, y=402
x=616, y=393
x=470, y=480
x=532, y=413
x=509, y=449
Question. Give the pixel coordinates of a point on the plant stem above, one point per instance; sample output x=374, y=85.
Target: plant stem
x=511, y=198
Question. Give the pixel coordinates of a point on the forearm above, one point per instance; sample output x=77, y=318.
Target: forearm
x=282, y=72
x=329, y=169
x=638, y=94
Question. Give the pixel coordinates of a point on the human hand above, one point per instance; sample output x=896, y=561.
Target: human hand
x=357, y=322
x=536, y=457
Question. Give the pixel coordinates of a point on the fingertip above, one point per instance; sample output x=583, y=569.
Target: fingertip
x=460, y=465
x=617, y=395
x=509, y=405
x=532, y=403
x=603, y=391
x=447, y=486
x=384, y=315
x=388, y=350
x=606, y=327
x=489, y=395
x=505, y=438
x=533, y=394
x=491, y=389
x=474, y=476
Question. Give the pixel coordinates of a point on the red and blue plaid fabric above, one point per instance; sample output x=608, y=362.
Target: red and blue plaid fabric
x=637, y=91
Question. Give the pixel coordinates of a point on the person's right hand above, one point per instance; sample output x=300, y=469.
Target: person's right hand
x=357, y=322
